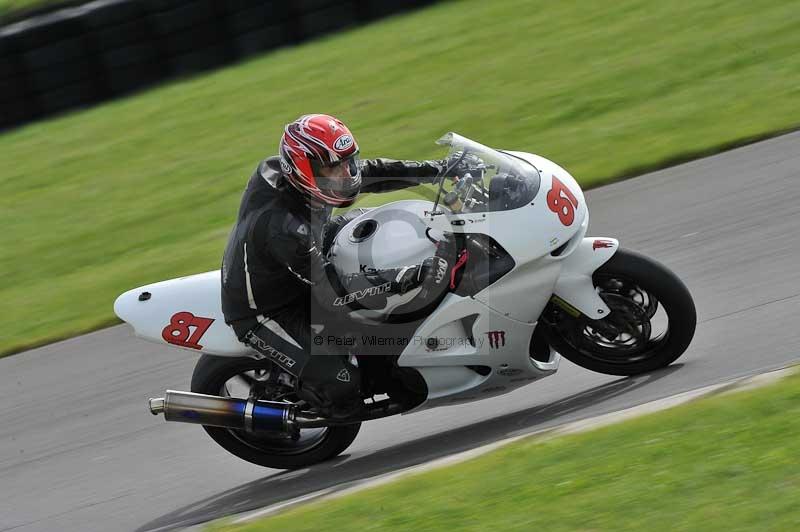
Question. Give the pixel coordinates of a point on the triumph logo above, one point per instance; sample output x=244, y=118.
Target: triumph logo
x=361, y=294
x=343, y=143
x=496, y=339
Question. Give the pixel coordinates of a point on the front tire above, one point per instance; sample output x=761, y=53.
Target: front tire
x=640, y=291
x=213, y=375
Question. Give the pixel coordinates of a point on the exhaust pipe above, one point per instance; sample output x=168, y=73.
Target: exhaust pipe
x=228, y=412
x=251, y=415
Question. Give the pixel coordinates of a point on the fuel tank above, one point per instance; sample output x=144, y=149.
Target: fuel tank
x=389, y=236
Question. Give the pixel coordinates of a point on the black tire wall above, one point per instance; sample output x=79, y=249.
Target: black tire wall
x=78, y=56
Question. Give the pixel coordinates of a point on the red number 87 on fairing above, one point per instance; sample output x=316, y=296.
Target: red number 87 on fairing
x=562, y=201
x=178, y=332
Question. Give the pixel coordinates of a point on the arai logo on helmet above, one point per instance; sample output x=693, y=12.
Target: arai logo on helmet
x=343, y=143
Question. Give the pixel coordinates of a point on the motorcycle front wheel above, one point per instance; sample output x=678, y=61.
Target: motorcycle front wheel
x=651, y=323
x=244, y=377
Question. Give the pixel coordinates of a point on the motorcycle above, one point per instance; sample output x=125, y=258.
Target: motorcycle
x=527, y=287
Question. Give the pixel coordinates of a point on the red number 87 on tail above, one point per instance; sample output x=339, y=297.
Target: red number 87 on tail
x=562, y=201
x=178, y=332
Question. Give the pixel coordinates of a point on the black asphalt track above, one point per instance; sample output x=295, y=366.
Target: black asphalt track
x=79, y=450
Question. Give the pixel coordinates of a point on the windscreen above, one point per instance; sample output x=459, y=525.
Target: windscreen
x=487, y=179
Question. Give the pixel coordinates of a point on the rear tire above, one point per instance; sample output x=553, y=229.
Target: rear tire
x=211, y=375
x=633, y=286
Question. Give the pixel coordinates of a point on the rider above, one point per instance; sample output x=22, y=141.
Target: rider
x=275, y=269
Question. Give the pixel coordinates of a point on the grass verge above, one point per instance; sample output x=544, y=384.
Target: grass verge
x=12, y=10
x=146, y=188
x=725, y=463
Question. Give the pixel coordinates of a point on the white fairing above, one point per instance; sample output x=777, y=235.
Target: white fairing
x=199, y=295
x=575, y=284
x=505, y=313
x=499, y=342
x=491, y=330
x=583, y=256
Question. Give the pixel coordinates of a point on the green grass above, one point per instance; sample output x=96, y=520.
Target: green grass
x=146, y=188
x=728, y=463
x=10, y=6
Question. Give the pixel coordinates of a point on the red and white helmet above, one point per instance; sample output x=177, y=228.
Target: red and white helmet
x=309, y=148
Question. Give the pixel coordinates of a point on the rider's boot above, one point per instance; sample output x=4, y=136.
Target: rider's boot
x=332, y=386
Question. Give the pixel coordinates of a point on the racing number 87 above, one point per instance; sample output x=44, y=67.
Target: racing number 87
x=562, y=201
x=178, y=332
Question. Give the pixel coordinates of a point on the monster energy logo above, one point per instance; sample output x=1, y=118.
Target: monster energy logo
x=496, y=339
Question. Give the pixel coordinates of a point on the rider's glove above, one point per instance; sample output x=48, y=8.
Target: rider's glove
x=457, y=166
x=447, y=248
x=432, y=272
x=407, y=279
x=435, y=271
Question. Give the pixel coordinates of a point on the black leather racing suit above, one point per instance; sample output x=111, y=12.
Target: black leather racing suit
x=275, y=276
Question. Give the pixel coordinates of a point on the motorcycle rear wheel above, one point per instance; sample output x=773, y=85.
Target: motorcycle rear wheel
x=637, y=289
x=213, y=375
